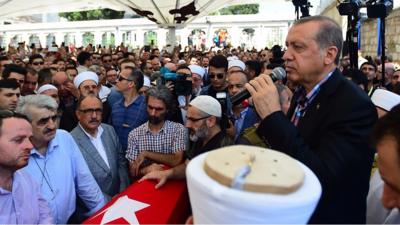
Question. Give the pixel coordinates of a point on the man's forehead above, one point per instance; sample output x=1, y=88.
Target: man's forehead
x=9, y=90
x=40, y=113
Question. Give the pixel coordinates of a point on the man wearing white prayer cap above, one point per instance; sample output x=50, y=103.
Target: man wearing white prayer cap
x=87, y=84
x=202, y=120
x=235, y=65
x=49, y=90
x=197, y=78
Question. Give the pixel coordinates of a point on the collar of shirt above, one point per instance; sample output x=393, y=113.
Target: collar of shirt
x=304, y=98
x=242, y=114
x=52, y=145
x=98, y=135
x=148, y=131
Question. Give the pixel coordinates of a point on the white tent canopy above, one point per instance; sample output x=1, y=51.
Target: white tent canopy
x=166, y=13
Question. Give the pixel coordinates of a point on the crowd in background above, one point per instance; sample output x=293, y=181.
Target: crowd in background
x=105, y=117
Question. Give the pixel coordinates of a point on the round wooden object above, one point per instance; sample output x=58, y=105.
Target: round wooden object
x=271, y=171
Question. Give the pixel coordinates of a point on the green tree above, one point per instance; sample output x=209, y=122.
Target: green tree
x=96, y=14
x=238, y=10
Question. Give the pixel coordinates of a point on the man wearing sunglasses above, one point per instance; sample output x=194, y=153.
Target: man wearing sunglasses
x=20, y=197
x=128, y=112
x=217, y=75
x=107, y=61
x=36, y=61
x=56, y=162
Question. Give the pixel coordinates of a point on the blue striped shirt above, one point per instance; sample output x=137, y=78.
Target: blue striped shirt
x=125, y=119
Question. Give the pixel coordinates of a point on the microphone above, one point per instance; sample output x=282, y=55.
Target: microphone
x=277, y=74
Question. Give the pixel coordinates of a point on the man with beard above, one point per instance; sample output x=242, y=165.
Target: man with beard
x=101, y=150
x=87, y=83
x=159, y=141
x=203, y=117
x=56, y=163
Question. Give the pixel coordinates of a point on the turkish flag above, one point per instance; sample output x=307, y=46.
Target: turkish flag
x=142, y=203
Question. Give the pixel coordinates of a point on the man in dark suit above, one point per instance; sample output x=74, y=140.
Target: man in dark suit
x=328, y=123
x=100, y=147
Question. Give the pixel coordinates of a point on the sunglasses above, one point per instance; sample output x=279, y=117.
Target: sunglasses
x=218, y=75
x=121, y=78
x=38, y=63
x=91, y=111
x=107, y=60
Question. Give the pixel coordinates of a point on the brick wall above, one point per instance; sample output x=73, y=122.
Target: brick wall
x=369, y=38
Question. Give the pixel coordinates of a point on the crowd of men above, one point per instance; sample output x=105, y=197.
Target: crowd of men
x=76, y=128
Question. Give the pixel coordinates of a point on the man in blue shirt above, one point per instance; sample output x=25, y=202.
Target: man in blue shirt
x=129, y=112
x=56, y=162
x=20, y=198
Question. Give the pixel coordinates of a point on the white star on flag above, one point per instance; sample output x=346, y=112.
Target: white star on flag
x=122, y=208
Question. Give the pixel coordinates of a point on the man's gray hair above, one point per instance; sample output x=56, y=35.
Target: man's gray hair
x=38, y=101
x=329, y=33
x=162, y=93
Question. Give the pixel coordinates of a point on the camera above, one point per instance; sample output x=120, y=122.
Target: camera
x=182, y=83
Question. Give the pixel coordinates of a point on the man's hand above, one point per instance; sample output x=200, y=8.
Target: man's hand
x=151, y=168
x=160, y=176
x=134, y=167
x=265, y=95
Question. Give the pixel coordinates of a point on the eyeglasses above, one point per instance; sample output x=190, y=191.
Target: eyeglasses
x=196, y=119
x=44, y=121
x=121, y=78
x=107, y=60
x=91, y=111
x=37, y=63
x=218, y=75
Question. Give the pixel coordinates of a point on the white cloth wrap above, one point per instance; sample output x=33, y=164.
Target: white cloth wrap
x=215, y=203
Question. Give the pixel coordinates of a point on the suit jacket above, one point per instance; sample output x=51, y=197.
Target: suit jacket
x=332, y=140
x=111, y=180
x=250, y=119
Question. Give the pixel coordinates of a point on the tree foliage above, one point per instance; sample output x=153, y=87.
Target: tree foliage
x=238, y=10
x=96, y=14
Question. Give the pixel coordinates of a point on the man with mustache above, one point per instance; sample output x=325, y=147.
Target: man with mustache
x=87, y=84
x=329, y=121
x=56, y=162
x=20, y=196
x=202, y=120
x=101, y=149
x=159, y=141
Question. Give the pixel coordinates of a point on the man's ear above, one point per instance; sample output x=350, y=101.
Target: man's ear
x=330, y=55
x=211, y=121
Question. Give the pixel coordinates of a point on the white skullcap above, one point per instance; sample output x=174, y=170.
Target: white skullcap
x=46, y=87
x=86, y=75
x=385, y=99
x=236, y=62
x=207, y=104
x=181, y=62
x=232, y=58
x=197, y=70
x=361, y=61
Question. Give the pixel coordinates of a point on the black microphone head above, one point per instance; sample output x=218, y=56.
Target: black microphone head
x=278, y=73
